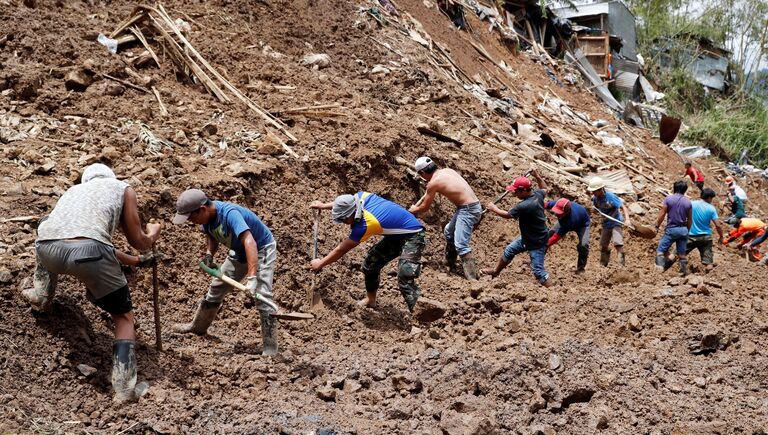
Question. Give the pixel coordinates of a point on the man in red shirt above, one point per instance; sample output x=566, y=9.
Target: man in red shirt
x=695, y=174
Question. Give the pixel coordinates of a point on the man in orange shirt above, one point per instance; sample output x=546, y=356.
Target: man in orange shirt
x=750, y=229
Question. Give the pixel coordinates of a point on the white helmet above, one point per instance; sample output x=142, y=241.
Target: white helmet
x=422, y=162
x=596, y=183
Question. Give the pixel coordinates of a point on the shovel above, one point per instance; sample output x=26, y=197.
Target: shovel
x=278, y=314
x=156, y=305
x=638, y=230
x=313, y=297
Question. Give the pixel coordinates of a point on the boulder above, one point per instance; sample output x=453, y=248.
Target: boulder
x=77, y=80
x=428, y=310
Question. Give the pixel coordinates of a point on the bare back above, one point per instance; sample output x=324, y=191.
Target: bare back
x=453, y=186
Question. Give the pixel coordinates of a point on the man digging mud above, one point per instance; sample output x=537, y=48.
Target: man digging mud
x=533, y=227
x=458, y=232
x=700, y=235
x=571, y=216
x=76, y=239
x=252, y=255
x=609, y=204
x=404, y=236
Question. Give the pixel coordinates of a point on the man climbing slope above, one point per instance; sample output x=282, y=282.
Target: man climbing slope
x=533, y=227
x=571, y=216
x=696, y=177
x=700, y=235
x=368, y=215
x=458, y=231
x=76, y=240
x=609, y=204
x=252, y=255
x=678, y=210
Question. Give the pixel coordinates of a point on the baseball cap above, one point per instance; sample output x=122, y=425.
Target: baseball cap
x=189, y=201
x=728, y=180
x=422, y=162
x=561, y=207
x=520, y=183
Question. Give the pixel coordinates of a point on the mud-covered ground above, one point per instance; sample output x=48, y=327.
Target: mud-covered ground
x=618, y=350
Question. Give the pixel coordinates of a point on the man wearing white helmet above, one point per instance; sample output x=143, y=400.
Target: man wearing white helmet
x=458, y=231
x=610, y=204
x=76, y=239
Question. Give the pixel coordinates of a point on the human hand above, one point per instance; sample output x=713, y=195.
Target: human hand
x=153, y=231
x=208, y=260
x=316, y=265
x=251, y=283
x=150, y=259
x=413, y=208
x=316, y=204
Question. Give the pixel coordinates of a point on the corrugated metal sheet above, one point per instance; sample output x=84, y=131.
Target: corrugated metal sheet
x=710, y=71
x=583, y=10
x=626, y=82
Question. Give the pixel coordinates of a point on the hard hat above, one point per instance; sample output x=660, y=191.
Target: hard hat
x=520, y=183
x=422, y=162
x=596, y=183
x=561, y=207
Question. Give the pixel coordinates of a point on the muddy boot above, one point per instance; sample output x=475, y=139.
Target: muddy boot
x=668, y=262
x=124, y=370
x=581, y=262
x=605, y=257
x=683, y=267
x=660, y=263
x=268, y=333
x=204, y=316
x=40, y=296
x=450, y=257
x=470, y=268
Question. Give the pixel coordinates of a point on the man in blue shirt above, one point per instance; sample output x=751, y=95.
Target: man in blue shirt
x=404, y=236
x=252, y=255
x=700, y=235
x=677, y=209
x=570, y=217
x=611, y=205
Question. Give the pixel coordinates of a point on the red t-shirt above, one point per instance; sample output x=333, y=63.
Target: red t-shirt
x=694, y=174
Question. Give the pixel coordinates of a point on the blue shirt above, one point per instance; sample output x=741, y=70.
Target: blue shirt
x=233, y=220
x=610, y=205
x=703, y=214
x=577, y=218
x=383, y=217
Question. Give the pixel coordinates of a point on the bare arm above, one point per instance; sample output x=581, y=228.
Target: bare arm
x=337, y=252
x=539, y=180
x=625, y=210
x=126, y=259
x=251, y=252
x=719, y=229
x=690, y=218
x=321, y=205
x=493, y=208
x=131, y=224
x=425, y=202
x=660, y=219
x=213, y=244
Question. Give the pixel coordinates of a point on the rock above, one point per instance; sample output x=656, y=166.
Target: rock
x=491, y=305
x=5, y=276
x=316, y=61
x=208, y=130
x=541, y=429
x=270, y=146
x=337, y=382
x=602, y=422
x=110, y=153
x=114, y=89
x=380, y=69
x=633, y=323
x=45, y=168
x=507, y=164
x=180, y=137
x=378, y=375
x=667, y=292
x=86, y=370
x=513, y=325
x=747, y=346
x=537, y=402
x=149, y=174
x=407, y=382
x=326, y=393
x=428, y=310
x=636, y=209
x=700, y=382
x=399, y=411
x=676, y=281
x=554, y=361
x=77, y=80
x=454, y=423
x=707, y=342
x=352, y=386
x=694, y=280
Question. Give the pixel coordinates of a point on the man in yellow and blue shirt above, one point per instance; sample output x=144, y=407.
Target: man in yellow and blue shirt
x=404, y=236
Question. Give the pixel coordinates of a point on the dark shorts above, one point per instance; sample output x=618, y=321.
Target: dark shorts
x=117, y=302
x=699, y=184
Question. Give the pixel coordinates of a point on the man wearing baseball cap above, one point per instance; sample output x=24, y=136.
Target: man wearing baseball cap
x=404, y=236
x=533, y=227
x=458, y=231
x=570, y=217
x=252, y=255
x=611, y=205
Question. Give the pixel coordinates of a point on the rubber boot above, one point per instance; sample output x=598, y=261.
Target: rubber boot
x=605, y=257
x=622, y=259
x=40, y=296
x=660, y=263
x=683, y=267
x=124, y=370
x=668, y=262
x=581, y=263
x=268, y=333
x=450, y=256
x=206, y=312
x=470, y=268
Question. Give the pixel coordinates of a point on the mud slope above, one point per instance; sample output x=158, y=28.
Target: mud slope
x=613, y=350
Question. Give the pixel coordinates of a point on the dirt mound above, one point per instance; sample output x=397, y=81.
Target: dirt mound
x=615, y=350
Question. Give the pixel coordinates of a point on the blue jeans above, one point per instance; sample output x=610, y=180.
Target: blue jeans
x=676, y=235
x=537, y=258
x=459, y=230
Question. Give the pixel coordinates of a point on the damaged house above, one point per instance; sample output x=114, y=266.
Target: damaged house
x=708, y=63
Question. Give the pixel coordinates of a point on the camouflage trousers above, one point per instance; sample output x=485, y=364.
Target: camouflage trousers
x=408, y=267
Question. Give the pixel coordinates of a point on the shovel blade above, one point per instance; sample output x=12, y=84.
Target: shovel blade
x=643, y=231
x=292, y=316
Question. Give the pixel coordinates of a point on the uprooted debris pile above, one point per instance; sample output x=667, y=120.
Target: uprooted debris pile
x=622, y=350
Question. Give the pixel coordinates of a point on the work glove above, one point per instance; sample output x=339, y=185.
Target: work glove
x=252, y=283
x=208, y=260
x=150, y=259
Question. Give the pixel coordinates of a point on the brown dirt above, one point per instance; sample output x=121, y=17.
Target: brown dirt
x=610, y=350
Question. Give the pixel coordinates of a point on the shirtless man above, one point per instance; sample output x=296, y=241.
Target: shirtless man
x=458, y=232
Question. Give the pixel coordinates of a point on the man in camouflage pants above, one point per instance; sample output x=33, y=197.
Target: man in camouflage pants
x=404, y=236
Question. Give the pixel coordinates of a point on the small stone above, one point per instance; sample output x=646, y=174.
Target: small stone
x=700, y=382
x=554, y=361
x=380, y=69
x=180, y=137
x=45, y=168
x=326, y=393
x=633, y=323
x=270, y=146
x=537, y=403
x=694, y=280
x=676, y=281
x=352, y=386
x=86, y=370
x=748, y=347
x=110, y=153
x=114, y=89
x=77, y=80
x=636, y=209
x=602, y=422
x=507, y=164
x=378, y=375
x=407, y=382
x=541, y=429
x=428, y=310
x=208, y=130
x=513, y=325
